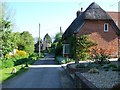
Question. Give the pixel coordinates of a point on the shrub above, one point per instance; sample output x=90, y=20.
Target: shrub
x=21, y=61
x=80, y=66
x=0, y=63
x=8, y=56
x=34, y=56
x=100, y=55
x=7, y=63
x=93, y=70
x=21, y=53
x=80, y=47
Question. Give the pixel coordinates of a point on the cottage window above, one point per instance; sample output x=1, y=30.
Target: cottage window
x=106, y=27
x=66, y=48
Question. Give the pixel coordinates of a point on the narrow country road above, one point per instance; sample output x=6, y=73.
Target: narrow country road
x=43, y=74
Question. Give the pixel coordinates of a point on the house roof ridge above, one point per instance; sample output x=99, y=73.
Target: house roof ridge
x=93, y=12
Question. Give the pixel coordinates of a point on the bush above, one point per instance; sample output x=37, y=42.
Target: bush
x=0, y=63
x=7, y=63
x=100, y=56
x=80, y=47
x=21, y=61
x=80, y=66
x=93, y=70
x=21, y=53
x=8, y=56
x=34, y=56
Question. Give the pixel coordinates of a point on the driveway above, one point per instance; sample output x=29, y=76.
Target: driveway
x=43, y=74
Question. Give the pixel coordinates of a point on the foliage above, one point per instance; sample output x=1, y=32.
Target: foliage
x=18, y=55
x=21, y=53
x=57, y=44
x=73, y=46
x=9, y=40
x=6, y=37
x=112, y=66
x=34, y=56
x=100, y=55
x=7, y=63
x=58, y=37
x=80, y=47
x=6, y=72
x=18, y=58
x=93, y=70
x=80, y=66
x=26, y=42
x=58, y=49
x=0, y=64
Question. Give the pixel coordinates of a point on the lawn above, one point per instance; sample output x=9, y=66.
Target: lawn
x=5, y=73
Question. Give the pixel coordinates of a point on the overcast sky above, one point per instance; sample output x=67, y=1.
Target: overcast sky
x=50, y=14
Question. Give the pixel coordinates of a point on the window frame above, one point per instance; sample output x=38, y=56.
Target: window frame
x=66, y=49
x=106, y=25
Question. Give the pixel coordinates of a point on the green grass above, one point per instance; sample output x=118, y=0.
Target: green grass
x=5, y=73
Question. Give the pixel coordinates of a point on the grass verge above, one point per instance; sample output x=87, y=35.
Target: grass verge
x=6, y=73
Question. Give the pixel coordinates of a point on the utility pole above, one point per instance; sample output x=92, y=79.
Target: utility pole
x=39, y=40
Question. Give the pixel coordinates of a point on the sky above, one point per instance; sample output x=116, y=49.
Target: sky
x=50, y=14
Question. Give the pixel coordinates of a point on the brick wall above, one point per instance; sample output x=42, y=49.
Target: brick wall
x=106, y=40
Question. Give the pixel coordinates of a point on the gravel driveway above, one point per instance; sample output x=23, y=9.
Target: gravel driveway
x=43, y=74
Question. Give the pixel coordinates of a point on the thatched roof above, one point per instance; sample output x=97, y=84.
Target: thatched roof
x=93, y=12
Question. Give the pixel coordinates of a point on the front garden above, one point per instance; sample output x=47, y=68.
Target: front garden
x=94, y=67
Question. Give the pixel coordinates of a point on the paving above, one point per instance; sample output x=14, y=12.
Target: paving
x=43, y=74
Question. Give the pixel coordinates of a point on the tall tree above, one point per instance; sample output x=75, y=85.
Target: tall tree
x=26, y=42
x=57, y=44
x=58, y=37
x=6, y=37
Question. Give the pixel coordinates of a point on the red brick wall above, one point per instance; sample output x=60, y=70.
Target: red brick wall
x=106, y=40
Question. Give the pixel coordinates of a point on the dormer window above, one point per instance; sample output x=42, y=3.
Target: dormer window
x=106, y=27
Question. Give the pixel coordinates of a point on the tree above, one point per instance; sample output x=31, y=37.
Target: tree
x=26, y=42
x=58, y=37
x=6, y=37
x=57, y=44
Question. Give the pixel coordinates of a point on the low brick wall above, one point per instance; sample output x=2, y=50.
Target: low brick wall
x=82, y=83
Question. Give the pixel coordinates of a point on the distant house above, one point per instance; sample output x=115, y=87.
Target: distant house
x=44, y=44
x=99, y=25
x=47, y=42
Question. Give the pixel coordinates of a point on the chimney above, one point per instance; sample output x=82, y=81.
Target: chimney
x=79, y=12
x=60, y=29
x=81, y=9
